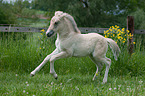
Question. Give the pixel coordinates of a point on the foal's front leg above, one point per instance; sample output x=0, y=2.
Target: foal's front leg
x=56, y=57
x=44, y=62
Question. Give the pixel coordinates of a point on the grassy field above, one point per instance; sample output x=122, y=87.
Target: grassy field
x=16, y=84
x=20, y=53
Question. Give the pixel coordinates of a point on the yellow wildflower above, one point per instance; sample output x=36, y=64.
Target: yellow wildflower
x=119, y=37
x=123, y=29
x=113, y=35
x=123, y=41
x=127, y=31
x=133, y=42
x=42, y=30
x=112, y=27
x=122, y=32
x=104, y=31
x=118, y=30
x=118, y=34
x=116, y=26
x=105, y=36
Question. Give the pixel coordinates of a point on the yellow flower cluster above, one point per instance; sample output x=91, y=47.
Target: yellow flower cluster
x=118, y=34
x=42, y=31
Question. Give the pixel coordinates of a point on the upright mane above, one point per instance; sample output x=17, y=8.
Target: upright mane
x=70, y=18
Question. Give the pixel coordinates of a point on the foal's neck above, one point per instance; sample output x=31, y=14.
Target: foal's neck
x=67, y=31
x=65, y=34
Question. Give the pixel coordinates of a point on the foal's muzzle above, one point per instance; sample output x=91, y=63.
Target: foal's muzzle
x=49, y=33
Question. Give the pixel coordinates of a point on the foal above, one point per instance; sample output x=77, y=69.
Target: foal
x=71, y=43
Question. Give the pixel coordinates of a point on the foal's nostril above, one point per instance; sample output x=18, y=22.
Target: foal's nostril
x=49, y=33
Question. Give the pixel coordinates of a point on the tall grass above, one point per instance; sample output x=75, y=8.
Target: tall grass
x=22, y=52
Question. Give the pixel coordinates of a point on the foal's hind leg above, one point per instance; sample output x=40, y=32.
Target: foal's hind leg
x=99, y=66
x=107, y=62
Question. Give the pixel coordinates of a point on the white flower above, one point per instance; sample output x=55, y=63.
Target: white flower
x=33, y=95
x=140, y=82
x=60, y=83
x=27, y=84
x=76, y=88
x=110, y=88
x=27, y=93
x=51, y=83
x=6, y=93
x=24, y=91
x=16, y=75
x=119, y=86
x=127, y=89
x=115, y=88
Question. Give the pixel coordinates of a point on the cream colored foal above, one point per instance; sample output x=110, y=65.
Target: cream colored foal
x=71, y=43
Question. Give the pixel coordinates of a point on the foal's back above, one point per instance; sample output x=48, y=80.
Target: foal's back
x=86, y=44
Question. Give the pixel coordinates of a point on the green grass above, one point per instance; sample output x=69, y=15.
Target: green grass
x=16, y=84
x=20, y=53
x=24, y=54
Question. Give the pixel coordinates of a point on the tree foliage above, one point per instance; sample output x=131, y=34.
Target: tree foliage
x=6, y=15
x=139, y=19
x=50, y=5
x=87, y=13
x=93, y=13
x=10, y=12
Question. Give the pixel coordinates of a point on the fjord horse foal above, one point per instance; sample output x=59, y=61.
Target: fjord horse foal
x=71, y=43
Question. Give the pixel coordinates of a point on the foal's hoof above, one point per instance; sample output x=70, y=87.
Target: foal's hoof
x=56, y=78
x=31, y=75
x=103, y=82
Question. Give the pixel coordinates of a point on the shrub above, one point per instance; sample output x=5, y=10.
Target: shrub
x=6, y=15
x=120, y=35
x=139, y=18
x=126, y=64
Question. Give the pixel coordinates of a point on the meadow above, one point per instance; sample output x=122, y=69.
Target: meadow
x=20, y=53
x=16, y=84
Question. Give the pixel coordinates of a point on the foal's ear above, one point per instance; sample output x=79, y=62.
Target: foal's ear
x=58, y=13
x=63, y=15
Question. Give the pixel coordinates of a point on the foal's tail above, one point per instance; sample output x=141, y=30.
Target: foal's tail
x=114, y=47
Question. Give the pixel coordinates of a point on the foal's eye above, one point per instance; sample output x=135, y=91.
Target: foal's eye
x=56, y=23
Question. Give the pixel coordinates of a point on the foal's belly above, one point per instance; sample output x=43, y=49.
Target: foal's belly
x=80, y=50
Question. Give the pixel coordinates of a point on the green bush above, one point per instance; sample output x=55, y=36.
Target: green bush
x=6, y=14
x=127, y=64
x=139, y=18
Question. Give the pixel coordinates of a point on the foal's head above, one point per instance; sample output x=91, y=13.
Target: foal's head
x=61, y=21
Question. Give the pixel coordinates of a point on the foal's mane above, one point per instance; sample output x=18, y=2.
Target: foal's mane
x=70, y=18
